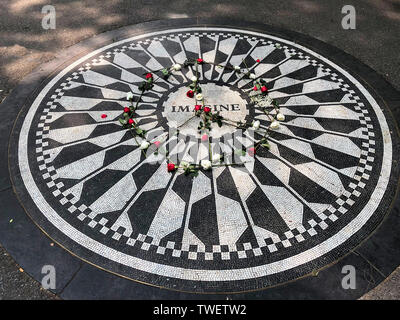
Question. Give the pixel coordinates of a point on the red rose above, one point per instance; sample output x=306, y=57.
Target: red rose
x=207, y=109
x=197, y=107
x=204, y=137
x=264, y=89
x=171, y=167
x=104, y=116
x=200, y=60
x=126, y=109
x=130, y=121
x=190, y=93
x=255, y=88
x=149, y=75
x=251, y=152
x=258, y=60
x=157, y=143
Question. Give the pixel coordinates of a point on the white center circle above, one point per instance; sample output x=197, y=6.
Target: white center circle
x=179, y=109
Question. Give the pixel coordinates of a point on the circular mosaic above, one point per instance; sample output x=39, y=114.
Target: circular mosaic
x=299, y=205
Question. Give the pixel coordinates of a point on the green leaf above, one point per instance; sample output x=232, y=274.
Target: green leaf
x=195, y=173
x=165, y=73
x=186, y=171
x=123, y=121
x=146, y=85
x=266, y=145
x=240, y=152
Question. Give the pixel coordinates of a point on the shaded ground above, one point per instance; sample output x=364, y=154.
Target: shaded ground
x=24, y=45
x=16, y=284
x=387, y=290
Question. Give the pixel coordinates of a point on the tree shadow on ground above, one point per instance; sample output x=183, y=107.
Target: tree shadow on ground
x=24, y=44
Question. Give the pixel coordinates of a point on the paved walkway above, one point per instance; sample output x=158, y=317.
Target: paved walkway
x=24, y=45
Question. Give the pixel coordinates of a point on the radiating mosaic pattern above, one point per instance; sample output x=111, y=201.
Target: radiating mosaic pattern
x=295, y=203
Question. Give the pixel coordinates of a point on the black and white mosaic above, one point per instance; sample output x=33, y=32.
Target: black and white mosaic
x=292, y=210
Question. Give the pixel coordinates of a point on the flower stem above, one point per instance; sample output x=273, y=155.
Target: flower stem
x=229, y=164
x=236, y=124
x=140, y=98
x=134, y=137
x=186, y=121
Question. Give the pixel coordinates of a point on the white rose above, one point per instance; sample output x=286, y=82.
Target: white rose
x=252, y=76
x=206, y=164
x=184, y=164
x=216, y=157
x=274, y=125
x=280, y=116
x=199, y=96
x=129, y=96
x=267, y=102
x=236, y=67
x=144, y=145
x=256, y=125
x=194, y=79
x=176, y=67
